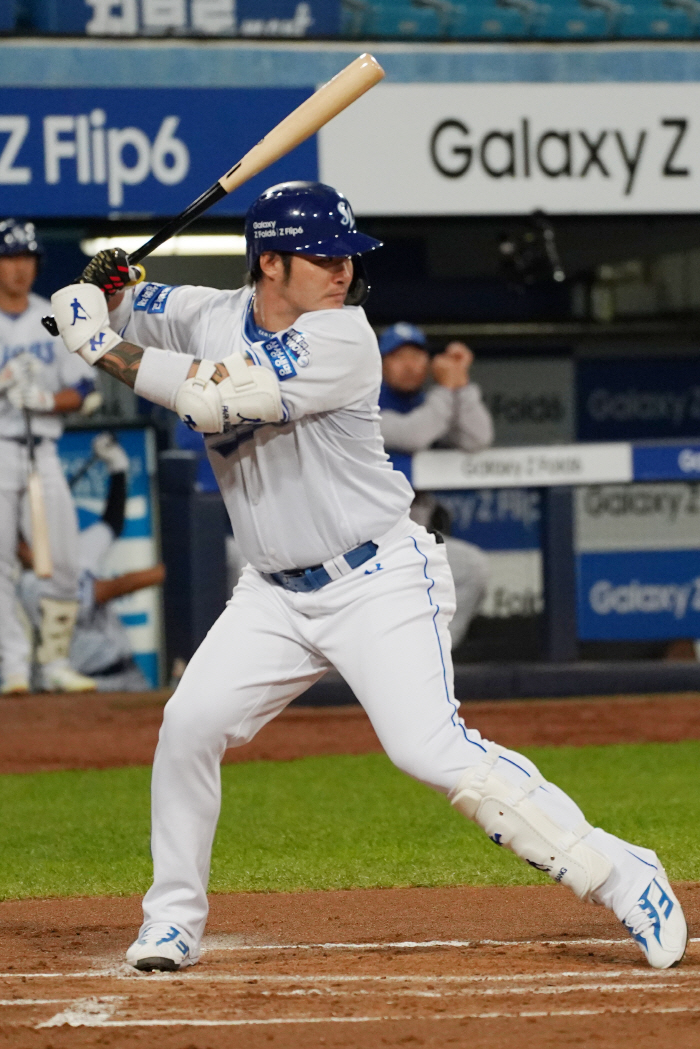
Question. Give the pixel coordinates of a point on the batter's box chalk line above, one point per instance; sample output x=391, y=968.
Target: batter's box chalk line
x=93, y=1019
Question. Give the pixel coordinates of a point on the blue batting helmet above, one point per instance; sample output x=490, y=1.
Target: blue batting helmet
x=307, y=218
x=401, y=334
x=19, y=238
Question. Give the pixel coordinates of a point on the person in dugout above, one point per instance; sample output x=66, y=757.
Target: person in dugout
x=39, y=382
x=449, y=413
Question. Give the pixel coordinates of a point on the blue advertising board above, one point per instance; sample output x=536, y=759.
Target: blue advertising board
x=638, y=595
x=277, y=18
x=637, y=400
x=137, y=546
x=495, y=518
x=137, y=151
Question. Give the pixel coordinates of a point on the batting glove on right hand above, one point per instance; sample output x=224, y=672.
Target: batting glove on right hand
x=110, y=271
x=106, y=447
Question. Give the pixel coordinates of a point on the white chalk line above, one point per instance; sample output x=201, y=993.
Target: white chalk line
x=222, y=944
x=86, y=1012
x=93, y=1020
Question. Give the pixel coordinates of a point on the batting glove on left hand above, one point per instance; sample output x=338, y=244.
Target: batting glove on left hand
x=110, y=271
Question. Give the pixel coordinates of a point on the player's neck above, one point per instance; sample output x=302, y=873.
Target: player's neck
x=271, y=311
x=13, y=303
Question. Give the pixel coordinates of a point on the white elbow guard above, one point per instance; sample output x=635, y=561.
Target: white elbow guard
x=83, y=320
x=248, y=394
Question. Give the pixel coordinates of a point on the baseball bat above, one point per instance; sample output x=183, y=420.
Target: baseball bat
x=303, y=122
x=41, y=549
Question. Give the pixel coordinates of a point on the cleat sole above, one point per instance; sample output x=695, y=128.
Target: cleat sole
x=148, y=965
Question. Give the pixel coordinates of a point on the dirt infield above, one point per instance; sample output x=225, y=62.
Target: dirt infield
x=504, y=968
x=479, y=968
x=48, y=732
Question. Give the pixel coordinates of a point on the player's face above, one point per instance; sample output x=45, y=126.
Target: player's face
x=406, y=368
x=315, y=282
x=17, y=274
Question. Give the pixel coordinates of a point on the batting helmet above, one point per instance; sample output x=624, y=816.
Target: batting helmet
x=19, y=238
x=307, y=218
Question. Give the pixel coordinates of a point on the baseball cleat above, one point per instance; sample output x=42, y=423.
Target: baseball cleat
x=161, y=947
x=14, y=684
x=658, y=925
x=59, y=676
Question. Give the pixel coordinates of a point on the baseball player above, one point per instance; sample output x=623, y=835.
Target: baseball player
x=35, y=373
x=283, y=376
x=100, y=646
x=451, y=414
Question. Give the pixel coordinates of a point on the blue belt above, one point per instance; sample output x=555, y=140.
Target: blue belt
x=304, y=580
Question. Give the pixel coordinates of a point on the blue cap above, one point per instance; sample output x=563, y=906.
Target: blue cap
x=399, y=335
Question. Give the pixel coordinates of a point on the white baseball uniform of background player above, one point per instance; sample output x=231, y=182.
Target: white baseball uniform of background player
x=35, y=371
x=311, y=489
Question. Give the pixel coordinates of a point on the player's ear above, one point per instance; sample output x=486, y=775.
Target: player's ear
x=270, y=263
x=359, y=285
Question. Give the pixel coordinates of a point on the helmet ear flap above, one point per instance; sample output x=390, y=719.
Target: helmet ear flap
x=359, y=285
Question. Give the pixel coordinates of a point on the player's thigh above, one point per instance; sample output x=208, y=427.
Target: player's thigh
x=249, y=667
x=393, y=648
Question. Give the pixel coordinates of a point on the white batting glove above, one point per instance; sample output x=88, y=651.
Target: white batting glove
x=83, y=321
x=29, y=395
x=107, y=448
x=24, y=368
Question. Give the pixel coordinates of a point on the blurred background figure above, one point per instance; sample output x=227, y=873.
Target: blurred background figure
x=447, y=414
x=39, y=375
x=100, y=645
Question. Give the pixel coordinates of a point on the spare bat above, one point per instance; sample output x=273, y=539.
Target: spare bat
x=41, y=549
x=308, y=118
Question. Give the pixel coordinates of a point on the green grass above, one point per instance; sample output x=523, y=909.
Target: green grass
x=332, y=822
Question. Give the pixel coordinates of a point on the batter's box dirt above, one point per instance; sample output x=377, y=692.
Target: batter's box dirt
x=496, y=967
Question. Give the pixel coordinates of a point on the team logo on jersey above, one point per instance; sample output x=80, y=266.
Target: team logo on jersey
x=152, y=298
x=297, y=347
x=348, y=219
x=280, y=359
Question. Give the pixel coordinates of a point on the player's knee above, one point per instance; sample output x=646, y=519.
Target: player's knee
x=188, y=728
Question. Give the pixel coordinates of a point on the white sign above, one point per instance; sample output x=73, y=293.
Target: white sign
x=638, y=517
x=462, y=149
x=539, y=466
x=514, y=587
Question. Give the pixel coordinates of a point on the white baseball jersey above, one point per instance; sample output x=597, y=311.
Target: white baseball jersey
x=319, y=483
x=24, y=333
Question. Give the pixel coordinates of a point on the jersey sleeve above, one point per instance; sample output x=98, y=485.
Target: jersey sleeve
x=472, y=427
x=328, y=360
x=161, y=315
x=414, y=431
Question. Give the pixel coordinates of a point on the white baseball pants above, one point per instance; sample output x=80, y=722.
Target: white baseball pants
x=384, y=627
x=15, y=517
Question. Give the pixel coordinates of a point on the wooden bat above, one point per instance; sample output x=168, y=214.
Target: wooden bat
x=303, y=122
x=41, y=549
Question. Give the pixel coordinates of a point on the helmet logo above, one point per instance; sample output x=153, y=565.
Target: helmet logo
x=348, y=219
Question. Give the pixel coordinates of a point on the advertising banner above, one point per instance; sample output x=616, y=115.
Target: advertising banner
x=137, y=547
x=641, y=399
x=638, y=596
x=495, y=518
x=637, y=517
x=490, y=148
x=137, y=151
x=531, y=401
x=276, y=18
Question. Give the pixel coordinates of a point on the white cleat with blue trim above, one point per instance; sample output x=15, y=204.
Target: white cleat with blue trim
x=160, y=946
x=657, y=923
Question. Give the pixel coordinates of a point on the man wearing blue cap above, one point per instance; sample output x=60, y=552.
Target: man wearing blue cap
x=450, y=413
x=283, y=377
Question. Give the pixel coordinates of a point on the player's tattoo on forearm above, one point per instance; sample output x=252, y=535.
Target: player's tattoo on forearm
x=122, y=362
